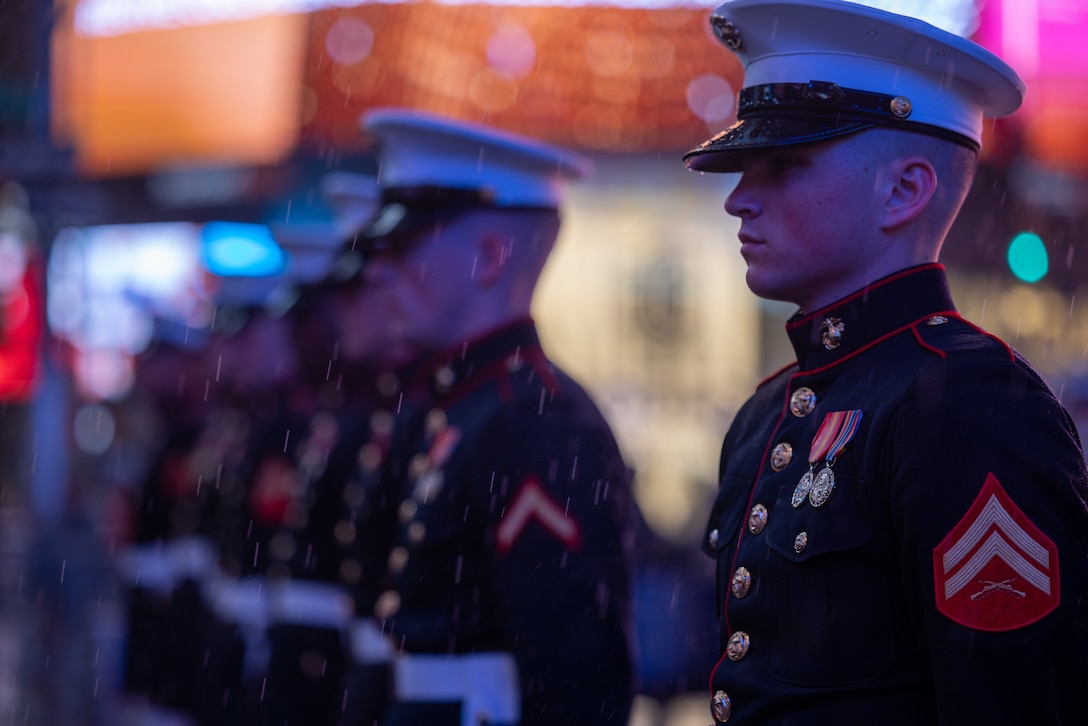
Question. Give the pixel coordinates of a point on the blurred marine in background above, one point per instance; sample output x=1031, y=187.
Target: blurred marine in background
x=501, y=515
x=321, y=669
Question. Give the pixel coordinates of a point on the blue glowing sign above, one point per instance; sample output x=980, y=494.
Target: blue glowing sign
x=234, y=249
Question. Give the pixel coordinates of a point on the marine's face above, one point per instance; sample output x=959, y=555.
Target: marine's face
x=422, y=284
x=363, y=328
x=808, y=221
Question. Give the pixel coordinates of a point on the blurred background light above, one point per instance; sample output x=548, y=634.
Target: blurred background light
x=349, y=40
x=113, y=17
x=93, y=428
x=234, y=249
x=1028, y=258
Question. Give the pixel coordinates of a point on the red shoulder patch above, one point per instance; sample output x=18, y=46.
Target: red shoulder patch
x=996, y=570
x=532, y=502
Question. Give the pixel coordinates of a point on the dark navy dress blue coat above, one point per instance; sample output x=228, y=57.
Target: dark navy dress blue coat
x=943, y=579
x=514, y=534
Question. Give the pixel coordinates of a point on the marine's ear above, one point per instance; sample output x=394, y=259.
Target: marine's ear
x=907, y=186
x=492, y=254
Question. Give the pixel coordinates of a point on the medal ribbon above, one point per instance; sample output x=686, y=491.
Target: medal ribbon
x=835, y=432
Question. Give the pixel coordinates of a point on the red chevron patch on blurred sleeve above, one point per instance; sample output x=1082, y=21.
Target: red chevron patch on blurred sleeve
x=996, y=570
x=531, y=503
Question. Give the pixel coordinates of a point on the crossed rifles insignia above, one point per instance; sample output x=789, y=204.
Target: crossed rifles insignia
x=996, y=570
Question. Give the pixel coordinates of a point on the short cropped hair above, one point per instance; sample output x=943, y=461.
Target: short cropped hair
x=955, y=165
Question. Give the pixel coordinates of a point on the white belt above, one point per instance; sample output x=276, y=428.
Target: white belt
x=243, y=600
x=486, y=684
x=368, y=644
x=162, y=565
x=302, y=602
x=193, y=557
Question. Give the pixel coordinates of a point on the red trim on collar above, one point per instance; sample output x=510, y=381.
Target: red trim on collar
x=870, y=344
x=909, y=272
x=777, y=373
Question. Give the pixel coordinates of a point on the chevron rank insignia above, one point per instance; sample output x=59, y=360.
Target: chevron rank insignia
x=996, y=570
x=531, y=503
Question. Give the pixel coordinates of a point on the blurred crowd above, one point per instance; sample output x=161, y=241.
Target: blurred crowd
x=216, y=562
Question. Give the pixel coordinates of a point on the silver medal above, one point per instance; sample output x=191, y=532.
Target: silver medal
x=801, y=491
x=821, y=487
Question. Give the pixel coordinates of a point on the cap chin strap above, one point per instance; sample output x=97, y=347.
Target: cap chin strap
x=826, y=101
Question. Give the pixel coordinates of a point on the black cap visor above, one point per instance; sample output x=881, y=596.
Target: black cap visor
x=722, y=153
x=789, y=114
x=403, y=215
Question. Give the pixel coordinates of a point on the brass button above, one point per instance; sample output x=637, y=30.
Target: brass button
x=343, y=532
x=737, y=647
x=407, y=510
x=381, y=422
x=742, y=582
x=900, y=106
x=800, y=542
x=712, y=538
x=757, y=519
x=387, y=605
x=435, y=421
x=781, y=456
x=802, y=402
x=418, y=464
x=721, y=706
x=444, y=377
x=417, y=532
x=398, y=558
x=370, y=456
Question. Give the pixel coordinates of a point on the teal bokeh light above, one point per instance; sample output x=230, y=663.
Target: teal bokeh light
x=1027, y=257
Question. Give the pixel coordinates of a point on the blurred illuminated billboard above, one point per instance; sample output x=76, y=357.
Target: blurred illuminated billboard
x=114, y=290
x=146, y=84
x=226, y=92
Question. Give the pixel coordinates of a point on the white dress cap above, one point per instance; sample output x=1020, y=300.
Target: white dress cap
x=432, y=168
x=313, y=246
x=817, y=69
x=419, y=149
x=353, y=198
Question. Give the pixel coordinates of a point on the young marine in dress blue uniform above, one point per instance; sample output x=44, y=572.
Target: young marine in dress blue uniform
x=505, y=586
x=901, y=529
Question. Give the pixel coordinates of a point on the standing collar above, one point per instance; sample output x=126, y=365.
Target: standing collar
x=835, y=332
x=502, y=349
